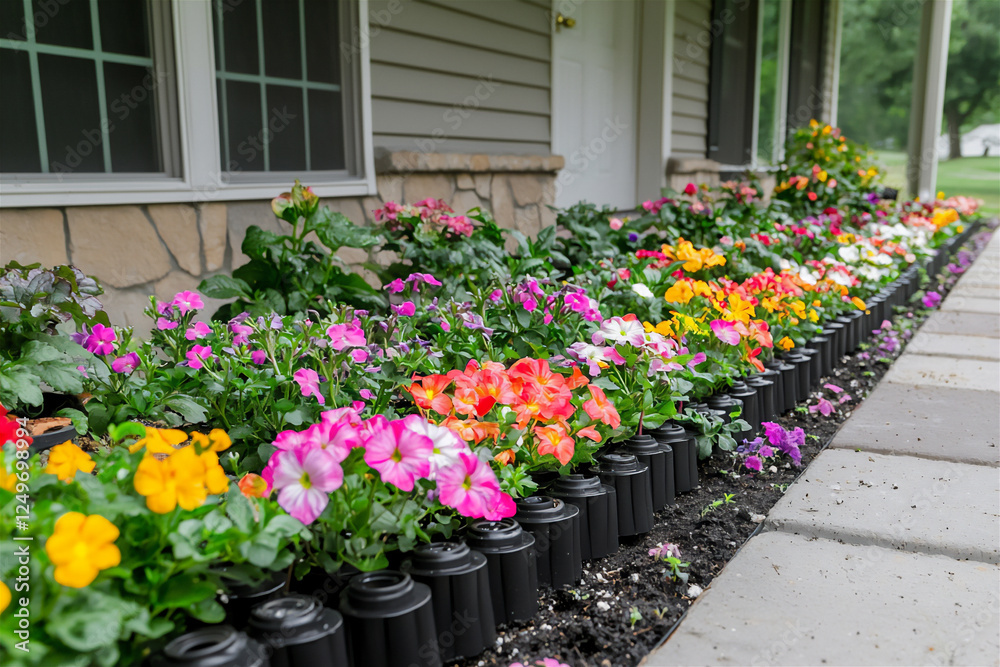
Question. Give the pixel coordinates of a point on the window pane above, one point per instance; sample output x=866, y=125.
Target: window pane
x=281, y=39
x=12, y=21
x=246, y=148
x=123, y=27
x=63, y=23
x=239, y=22
x=286, y=128
x=131, y=118
x=326, y=130
x=322, y=40
x=18, y=137
x=768, y=80
x=72, y=119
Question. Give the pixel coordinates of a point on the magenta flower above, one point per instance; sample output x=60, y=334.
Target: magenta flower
x=844, y=399
x=292, y=440
x=101, y=340
x=125, y=364
x=495, y=295
x=241, y=331
x=163, y=324
x=405, y=309
x=304, y=479
x=338, y=439
x=83, y=371
x=823, y=406
x=344, y=335
x=726, y=332
x=164, y=308
x=399, y=455
x=665, y=550
x=765, y=451
x=199, y=354
x=258, y=357
x=468, y=485
x=396, y=286
x=309, y=383
x=832, y=387
x=501, y=507
x=753, y=462
x=931, y=300
x=697, y=359
x=187, y=301
x=197, y=330
x=419, y=279
x=367, y=394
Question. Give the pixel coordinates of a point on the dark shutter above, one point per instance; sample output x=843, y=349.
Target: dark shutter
x=732, y=79
x=805, y=67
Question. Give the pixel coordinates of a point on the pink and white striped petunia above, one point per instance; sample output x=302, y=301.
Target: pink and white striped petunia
x=304, y=479
x=308, y=381
x=726, y=332
x=399, y=455
x=468, y=485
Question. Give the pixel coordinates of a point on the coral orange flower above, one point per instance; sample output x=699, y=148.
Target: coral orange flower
x=66, y=459
x=429, y=394
x=600, y=408
x=254, y=486
x=786, y=343
x=80, y=547
x=554, y=440
x=506, y=457
x=577, y=379
x=589, y=432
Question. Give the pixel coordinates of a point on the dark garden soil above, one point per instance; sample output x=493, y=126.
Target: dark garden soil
x=596, y=624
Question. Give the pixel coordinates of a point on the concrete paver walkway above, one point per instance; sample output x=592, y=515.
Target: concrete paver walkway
x=887, y=549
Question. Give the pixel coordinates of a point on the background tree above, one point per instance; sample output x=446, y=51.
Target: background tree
x=972, y=90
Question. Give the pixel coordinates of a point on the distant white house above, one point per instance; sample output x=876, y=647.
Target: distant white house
x=984, y=141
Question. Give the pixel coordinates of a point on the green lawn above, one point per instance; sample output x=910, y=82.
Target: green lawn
x=970, y=176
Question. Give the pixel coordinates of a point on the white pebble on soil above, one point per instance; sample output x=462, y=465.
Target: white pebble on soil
x=603, y=606
x=694, y=590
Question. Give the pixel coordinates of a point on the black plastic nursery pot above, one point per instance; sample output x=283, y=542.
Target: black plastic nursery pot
x=460, y=596
x=556, y=527
x=673, y=436
x=835, y=331
x=598, y=505
x=777, y=390
x=764, y=387
x=213, y=646
x=239, y=599
x=786, y=391
x=812, y=355
x=389, y=621
x=633, y=483
x=661, y=467
x=51, y=404
x=747, y=396
x=299, y=631
x=803, y=376
x=510, y=566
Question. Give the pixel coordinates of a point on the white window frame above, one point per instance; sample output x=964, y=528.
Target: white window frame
x=202, y=179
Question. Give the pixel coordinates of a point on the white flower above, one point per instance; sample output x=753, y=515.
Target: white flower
x=849, y=253
x=642, y=290
x=807, y=276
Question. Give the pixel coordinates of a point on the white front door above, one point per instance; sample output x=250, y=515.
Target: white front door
x=594, y=73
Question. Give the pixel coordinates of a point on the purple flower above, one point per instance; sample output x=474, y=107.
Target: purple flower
x=80, y=337
x=163, y=324
x=796, y=437
x=165, y=308
x=258, y=357
x=753, y=462
x=495, y=295
x=931, y=300
x=241, y=331
x=834, y=388
x=101, y=340
x=474, y=322
x=419, y=279
x=774, y=433
x=765, y=451
x=125, y=364
x=633, y=237
x=396, y=286
x=823, y=406
x=83, y=371
x=665, y=550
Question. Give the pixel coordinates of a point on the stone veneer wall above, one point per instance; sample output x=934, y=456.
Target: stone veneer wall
x=161, y=249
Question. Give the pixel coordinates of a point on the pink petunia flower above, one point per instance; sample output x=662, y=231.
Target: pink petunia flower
x=197, y=330
x=367, y=394
x=396, y=286
x=446, y=444
x=241, y=331
x=308, y=381
x=163, y=324
x=615, y=223
x=359, y=355
x=753, y=462
x=405, y=309
x=345, y=335
x=101, y=340
x=304, y=479
x=258, y=357
x=468, y=485
x=931, y=300
x=336, y=438
x=292, y=440
x=696, y=359
x=399, y=455
x=726, y=332
x=125, y=364
x=198, y=355
x=823, y=406
x=187, y=301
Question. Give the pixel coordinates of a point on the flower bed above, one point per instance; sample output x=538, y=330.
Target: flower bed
x=318, y=428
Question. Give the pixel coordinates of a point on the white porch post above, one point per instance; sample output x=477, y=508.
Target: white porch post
x=927, y=106
x=655, y=92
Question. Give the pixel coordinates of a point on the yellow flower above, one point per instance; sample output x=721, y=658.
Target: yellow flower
x=822, y=176
x=826, y=129
x=770, y=303
x=799, y=309
x=944, y=216
x=217, y=440
x=80, y=547
x=66, y=459
x=160, y=441
x=178, y=479
x=740, y=310
x=663, y=328
x=692, y=258
x=4, y=597
x=816, y=303
x=813, y=316
x=786, y=343
x=813, y=124
x=940, y=194
x=679, y=292
x=8, y=480
x=215, y=477
x=858, y=303
x=701, y=288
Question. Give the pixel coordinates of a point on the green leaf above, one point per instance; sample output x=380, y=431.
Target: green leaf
x=192, y=412
x=208, y=611
x=239, y=510
x=185, y=590
x=224, y=287
x=17, y=384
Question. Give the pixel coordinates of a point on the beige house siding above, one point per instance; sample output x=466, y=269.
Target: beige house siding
x=455, y=76
x=692, y=46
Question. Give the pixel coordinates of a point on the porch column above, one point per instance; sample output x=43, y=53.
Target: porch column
x=927, y=106
x=656, y=48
